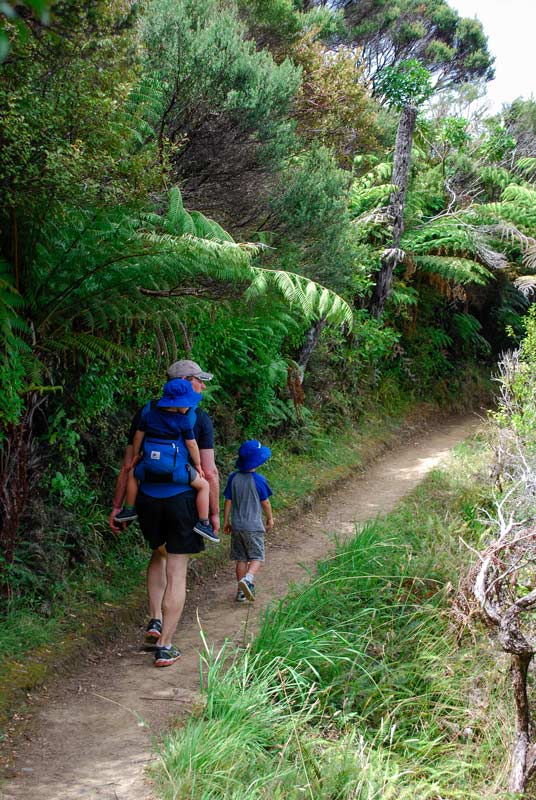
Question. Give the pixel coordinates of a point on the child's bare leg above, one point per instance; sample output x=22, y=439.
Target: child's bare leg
x=128, y=512
x=202, y=499
x=245, y=567
x=254, y=567
x=132, y=489
x=246, y=583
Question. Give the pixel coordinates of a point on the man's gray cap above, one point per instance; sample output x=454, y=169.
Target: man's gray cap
x=188, y=369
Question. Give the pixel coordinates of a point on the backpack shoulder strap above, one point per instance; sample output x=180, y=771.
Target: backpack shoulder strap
x=146, y=408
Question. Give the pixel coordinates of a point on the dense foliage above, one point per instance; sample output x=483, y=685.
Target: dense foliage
x=215, y=180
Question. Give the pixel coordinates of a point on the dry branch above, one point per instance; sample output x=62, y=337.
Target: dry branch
x=510, y=557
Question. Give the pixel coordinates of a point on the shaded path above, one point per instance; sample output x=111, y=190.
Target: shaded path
x=94, y=741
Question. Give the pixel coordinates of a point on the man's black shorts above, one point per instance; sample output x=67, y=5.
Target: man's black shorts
x=170, y=521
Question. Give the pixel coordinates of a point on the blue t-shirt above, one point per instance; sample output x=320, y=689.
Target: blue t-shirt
x=204, y=436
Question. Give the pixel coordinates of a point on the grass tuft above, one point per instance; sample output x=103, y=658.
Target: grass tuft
x=357, y=685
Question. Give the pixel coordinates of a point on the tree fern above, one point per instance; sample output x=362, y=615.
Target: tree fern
x=461, y=271
x=86, y=346
x=307, y=297
x=94, y=273
x=371, y=190
x=463, y=247
x=527, y=167
x=516, y=206
x=12, y=324
x=468, y=331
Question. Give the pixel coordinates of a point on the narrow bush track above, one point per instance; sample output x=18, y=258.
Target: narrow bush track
x=93, y=738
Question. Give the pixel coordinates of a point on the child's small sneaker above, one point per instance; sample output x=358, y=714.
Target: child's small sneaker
x=165, y=656
x=248, y=588
x=126, y=515
x=240, y=596
x=206, y=530
x=154, y=629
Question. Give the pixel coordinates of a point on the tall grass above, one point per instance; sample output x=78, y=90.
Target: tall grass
x=356, y=685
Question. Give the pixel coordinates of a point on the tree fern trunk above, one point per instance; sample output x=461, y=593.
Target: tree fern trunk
x=392, y=256
x=311, y=340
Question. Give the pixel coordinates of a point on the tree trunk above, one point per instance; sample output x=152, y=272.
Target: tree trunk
x=520, y=768
x=311, y=340
x=393, y=255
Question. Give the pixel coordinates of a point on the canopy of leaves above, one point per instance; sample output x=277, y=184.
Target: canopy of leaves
x=333, y=105
x=452, y=48
x=92, y=250
x=406, y=84
x=13, y=20
x=224, y=104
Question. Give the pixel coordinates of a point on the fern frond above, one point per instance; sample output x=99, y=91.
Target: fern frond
x=311, y=299
x=527, y=167
x=467, y=328
x=87, y=345
x=206, y=228
x=438, y=337
x=402, y=295
x=458, y=270
x=526, y=284
x=11, y=322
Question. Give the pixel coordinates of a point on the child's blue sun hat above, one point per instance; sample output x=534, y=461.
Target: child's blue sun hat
x=252, y=454
x=178, y=393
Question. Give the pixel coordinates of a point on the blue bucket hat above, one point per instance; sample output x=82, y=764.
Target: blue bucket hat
x=252, y=454
x=178, y=393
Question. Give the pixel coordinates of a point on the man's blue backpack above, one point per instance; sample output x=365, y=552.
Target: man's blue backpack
x=164, y=457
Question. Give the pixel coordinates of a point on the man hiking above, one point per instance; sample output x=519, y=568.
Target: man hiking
x=167, y=523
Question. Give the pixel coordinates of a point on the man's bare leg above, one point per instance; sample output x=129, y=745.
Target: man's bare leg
x=174, y=596
x=156, y=582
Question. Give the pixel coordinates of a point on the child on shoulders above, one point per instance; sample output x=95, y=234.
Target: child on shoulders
x=162, y=447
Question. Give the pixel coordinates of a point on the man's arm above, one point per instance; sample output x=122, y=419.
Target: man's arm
x=121, y=487
x=208, y=465
x=137, y=443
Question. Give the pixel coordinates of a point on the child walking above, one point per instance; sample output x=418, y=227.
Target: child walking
x=246, y=497
x=162, y=446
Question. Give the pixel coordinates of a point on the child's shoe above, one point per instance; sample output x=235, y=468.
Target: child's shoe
x=126, y=515
x=248, y=588
x=165, y=656
x=240, y=596
x=205, y=529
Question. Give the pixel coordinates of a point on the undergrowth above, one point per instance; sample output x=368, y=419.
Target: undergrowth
x=359, y=684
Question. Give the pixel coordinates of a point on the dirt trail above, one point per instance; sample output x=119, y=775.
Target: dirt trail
x=94, y=740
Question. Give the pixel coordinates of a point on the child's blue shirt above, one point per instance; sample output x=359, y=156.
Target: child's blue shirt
x=168, y=424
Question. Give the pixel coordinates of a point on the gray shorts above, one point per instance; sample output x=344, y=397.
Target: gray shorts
x=247, y=546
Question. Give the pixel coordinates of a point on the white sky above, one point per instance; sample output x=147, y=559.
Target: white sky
x=510, y=26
